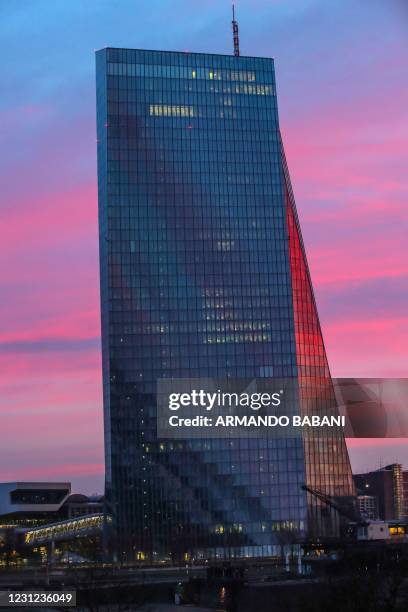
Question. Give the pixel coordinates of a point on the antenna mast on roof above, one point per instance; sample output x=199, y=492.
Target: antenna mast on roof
x=235, y=32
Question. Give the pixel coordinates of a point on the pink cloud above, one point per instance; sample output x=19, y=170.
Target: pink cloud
x=336, y=263
x=57, y=217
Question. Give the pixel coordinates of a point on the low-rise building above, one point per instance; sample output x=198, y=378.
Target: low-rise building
x=31, y=504
x=373, y=530
x=28, y=504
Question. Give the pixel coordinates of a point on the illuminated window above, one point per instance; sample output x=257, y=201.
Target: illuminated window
x=167, y=110
x=397, y=531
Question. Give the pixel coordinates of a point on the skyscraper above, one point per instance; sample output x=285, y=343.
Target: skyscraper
x=386, y=485
x=204, y=274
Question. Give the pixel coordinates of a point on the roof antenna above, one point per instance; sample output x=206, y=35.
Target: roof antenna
x=235, y=32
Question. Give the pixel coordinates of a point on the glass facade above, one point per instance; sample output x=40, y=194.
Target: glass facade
x=203, y=275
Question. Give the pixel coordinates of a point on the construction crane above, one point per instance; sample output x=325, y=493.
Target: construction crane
x=346, y=509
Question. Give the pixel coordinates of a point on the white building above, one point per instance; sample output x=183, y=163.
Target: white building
x=21, y=499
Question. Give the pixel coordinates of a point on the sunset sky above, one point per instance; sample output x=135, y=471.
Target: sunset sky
x=342, y=77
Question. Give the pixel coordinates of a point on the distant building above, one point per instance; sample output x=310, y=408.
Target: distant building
x=385, y=484
x=29, y=504
x=405, y=494
x=368, y=506
x=81, y=505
